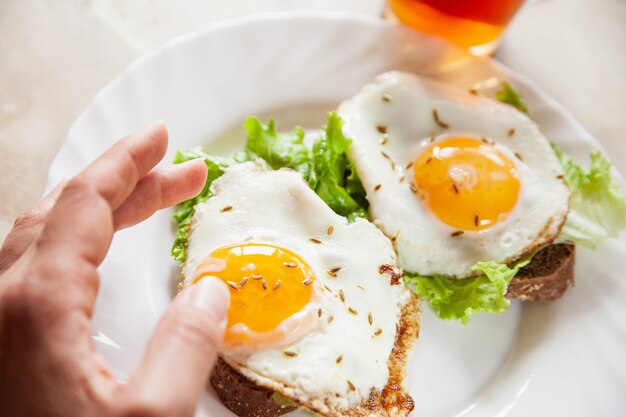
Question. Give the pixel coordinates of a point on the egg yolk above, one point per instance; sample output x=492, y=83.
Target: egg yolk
x=466, y=182
x=268, y=284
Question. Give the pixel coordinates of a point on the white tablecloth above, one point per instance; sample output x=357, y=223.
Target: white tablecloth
x=55, y=55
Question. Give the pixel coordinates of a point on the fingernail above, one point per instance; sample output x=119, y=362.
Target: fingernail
x=211, y=296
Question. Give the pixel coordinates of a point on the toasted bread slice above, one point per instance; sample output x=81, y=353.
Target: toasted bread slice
x=247, y=399
x=243, y=397
x=547, y=276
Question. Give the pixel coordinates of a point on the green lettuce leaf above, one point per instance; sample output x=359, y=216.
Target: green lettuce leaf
x=509, y=95
x=325, y=166
x=334, y=178
x=184, y=211
x=598, y=202
x=461, y=298
x=282, y=400
x=279, y=150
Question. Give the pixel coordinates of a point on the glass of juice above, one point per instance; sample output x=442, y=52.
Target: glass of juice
x=475, y=25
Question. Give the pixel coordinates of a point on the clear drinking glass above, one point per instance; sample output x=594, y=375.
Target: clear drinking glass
x=475, y=25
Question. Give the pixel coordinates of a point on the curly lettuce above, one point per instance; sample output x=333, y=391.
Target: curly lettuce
x=333, y=177
x=598, y=202
x=184, y=211
x=324, y=166
x=279, y=150
x=509, y=95
x=460, y=299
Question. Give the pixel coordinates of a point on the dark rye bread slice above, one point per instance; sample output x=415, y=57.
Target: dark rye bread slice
x=242, y=396
x=547, y=276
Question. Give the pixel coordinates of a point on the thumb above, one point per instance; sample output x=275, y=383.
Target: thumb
x=183, y=350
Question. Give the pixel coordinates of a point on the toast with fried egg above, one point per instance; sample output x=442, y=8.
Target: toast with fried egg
x=318, y=312
x=246, y=398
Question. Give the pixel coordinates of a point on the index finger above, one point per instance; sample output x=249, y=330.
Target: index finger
x=115, y=173
x=81, y=223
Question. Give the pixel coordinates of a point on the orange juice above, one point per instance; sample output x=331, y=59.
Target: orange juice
x=472, y=24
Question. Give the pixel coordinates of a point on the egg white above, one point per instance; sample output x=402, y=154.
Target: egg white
x=403, y=104
x=278, y=207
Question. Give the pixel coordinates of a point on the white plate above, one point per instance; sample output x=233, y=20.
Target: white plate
x=560, y=359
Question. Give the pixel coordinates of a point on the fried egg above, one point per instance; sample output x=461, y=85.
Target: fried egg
x=453, y=178
x=317, y=307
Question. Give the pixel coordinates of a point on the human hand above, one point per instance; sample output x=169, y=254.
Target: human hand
x=48, y=286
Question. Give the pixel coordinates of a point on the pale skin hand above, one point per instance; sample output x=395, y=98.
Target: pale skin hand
x=49, y=282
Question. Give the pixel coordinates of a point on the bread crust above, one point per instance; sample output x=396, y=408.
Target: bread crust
x=242, y=396
x=547, y=276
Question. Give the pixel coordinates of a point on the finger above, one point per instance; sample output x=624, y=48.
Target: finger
x=183, y=349
x=27, y=227
x=161, y=188
x=80, y=225
x=116, y=172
